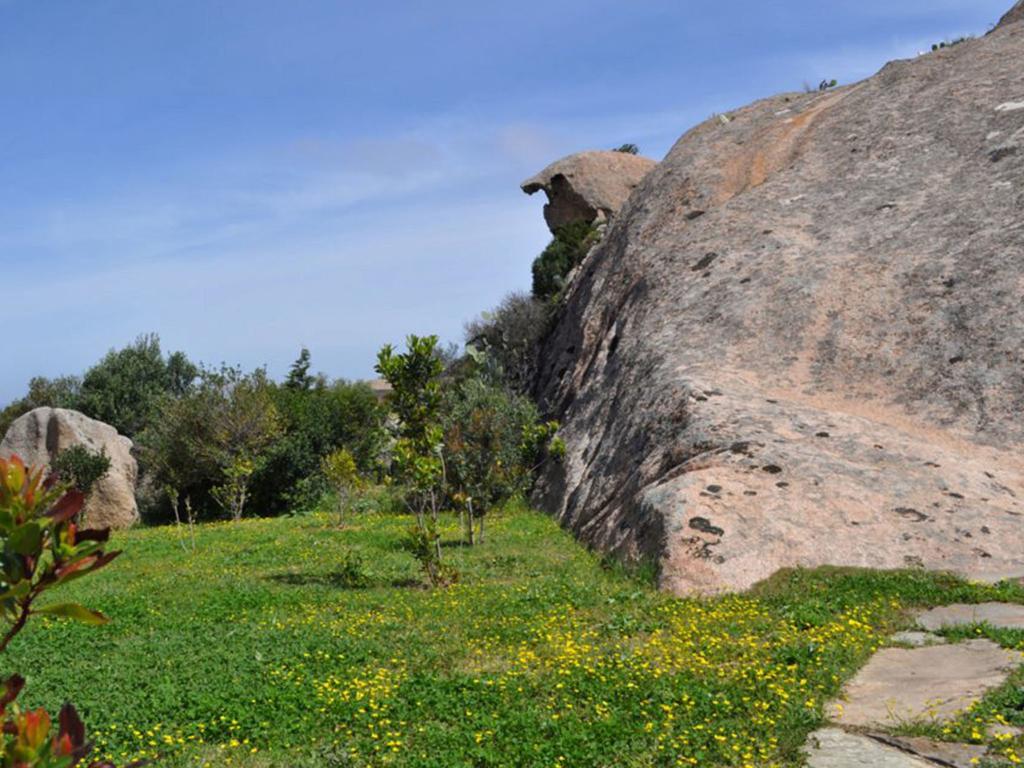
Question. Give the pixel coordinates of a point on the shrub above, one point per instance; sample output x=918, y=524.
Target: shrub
x=351, y=572
x=493, y=445
x=511, y=337
x=424, y=543
x=340, y=470
x=208, y=444
x=42, y=549
x=629, y=149
x=567, y=249
x=316, y=422
x=950, y=43
x=81, y=467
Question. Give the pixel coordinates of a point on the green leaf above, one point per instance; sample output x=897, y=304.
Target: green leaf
x=76, y=612
x=26, y=539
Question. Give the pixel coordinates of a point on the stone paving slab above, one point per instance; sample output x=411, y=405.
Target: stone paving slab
x=940, y=752
x=936, y=682
x=917, y=639
x=835, y=748
x=1002, y=615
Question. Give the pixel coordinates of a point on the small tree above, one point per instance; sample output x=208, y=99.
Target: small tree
x=415, y=378
x=629, y=149
x=244, y=423
x=213, y=440
x=494, y=444
x=339, y=467
x=81, y=468
x=298, y=375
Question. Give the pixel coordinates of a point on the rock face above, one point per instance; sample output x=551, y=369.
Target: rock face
x=1014, y=15
x=40, y=435
x=588, y=186
x=801, y=341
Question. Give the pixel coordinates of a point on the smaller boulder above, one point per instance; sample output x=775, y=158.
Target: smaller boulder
x=41, y=435
x=588, y=186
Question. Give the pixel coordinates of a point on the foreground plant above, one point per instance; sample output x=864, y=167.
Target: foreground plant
x=42, y=549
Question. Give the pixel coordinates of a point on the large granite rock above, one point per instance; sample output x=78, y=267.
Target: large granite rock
x=588, y=186
x=41, y=435
x=801, y=341
x=1014, y=15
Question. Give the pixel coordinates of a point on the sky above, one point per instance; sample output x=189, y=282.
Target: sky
x=248, y=177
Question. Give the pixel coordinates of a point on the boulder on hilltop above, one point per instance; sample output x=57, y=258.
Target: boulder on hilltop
x=41, y=435
x=588, y=186
x=801, y=340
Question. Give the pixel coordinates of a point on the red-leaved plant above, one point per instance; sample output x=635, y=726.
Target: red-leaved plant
x=41, y=548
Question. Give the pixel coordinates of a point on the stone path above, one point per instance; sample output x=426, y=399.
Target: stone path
x=1001, y=615
x=931, y=680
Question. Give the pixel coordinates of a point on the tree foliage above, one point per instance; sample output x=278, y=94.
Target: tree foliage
x=124, y=388
x=566, y=250
x=494, y=443
x=510, y=337
x=342, y=474
x=415, y=378
x=208, y=443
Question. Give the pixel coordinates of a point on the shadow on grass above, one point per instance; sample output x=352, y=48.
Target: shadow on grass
x=340, y=581
x=336, y=580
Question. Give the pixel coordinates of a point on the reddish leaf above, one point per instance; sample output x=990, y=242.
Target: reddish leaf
x=69, y=505
x=12, y=687
x=93, y=534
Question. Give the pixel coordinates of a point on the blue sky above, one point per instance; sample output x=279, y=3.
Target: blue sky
x=245, y=177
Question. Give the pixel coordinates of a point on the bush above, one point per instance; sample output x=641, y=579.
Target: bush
x=316, y=422
x=351, y=572
x=80, y=467
x=629, y=149
x=511, y=337
x=493, y=444
x=208, y=444
x=341, y=473
x=570, y=245
x=42, y=549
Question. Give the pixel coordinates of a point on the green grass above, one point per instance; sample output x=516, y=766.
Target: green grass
x=255, y=651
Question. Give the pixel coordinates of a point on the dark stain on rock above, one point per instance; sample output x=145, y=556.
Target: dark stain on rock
x=911, y=514
x=707, y=261
x=1001, y=153
x=704, y=525
x=772, y=469
x=714, y=489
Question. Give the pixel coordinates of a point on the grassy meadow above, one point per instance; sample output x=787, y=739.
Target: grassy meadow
x=271, y=645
